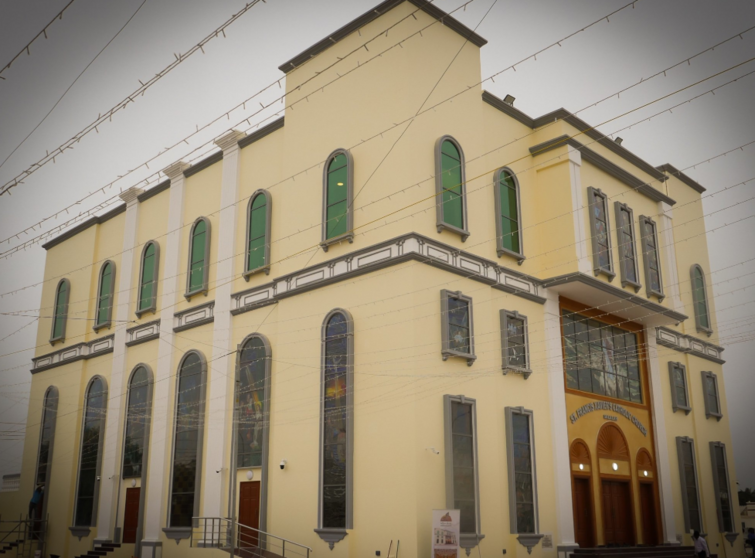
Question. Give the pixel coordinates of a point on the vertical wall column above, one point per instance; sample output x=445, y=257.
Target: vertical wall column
x=582, y=242
x=158, y=473
x=221, y=379
x=559, y=432
x=667, y=247
x=661, y=443
x=111, y=470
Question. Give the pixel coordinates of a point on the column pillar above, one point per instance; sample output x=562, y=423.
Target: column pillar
x=111, y=470
x=582, y=241
x=158, y=474
x=559, y=433
x=221, y=378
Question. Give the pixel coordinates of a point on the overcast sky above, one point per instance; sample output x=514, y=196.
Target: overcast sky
x=636, y=43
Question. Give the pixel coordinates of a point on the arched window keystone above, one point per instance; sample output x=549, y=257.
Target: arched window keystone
x=258, y=220
x=147, y=295
x=105, y=296
x=60, y=311
x=338, y=191
x=450, y=187
x=197, y=274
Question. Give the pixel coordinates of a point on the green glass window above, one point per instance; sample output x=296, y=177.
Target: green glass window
x=252, y=404
x=337, y=209
x=198, y=256
x=89, y=461
x=509, y=212
x=257, y=242
x=700, y=298
x=61, y=309
x=137, y=419
x=148, y=280
x=452, y=194
x=105, y=300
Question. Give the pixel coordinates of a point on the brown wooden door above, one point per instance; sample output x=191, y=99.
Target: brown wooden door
x=617, y=514
x=583, y=523
x=131, y=515
x=647, y=510
x=249, y=513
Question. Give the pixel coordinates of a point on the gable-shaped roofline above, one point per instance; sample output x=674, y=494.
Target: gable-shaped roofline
x=374, y=13
x=673, y=171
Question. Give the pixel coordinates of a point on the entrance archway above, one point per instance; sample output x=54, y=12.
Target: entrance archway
x=646, y=476
x=614, y=468
x=582, y=494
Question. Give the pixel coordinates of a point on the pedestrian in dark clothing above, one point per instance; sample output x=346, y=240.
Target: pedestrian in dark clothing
x=701, y=547
x=36, y=498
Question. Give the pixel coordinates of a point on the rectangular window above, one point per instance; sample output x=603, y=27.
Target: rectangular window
x=685, y=449
x=601, y=233
x=679, y=391
x=515, y=343
x=520, y=449
x=462, y=485
x=651, y=257
x=627, y=251
x=600, y=358
x=456, y=326
x=710, y=392
x=722, y=487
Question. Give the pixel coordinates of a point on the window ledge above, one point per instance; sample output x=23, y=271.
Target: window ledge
x=526, y=372
x=731, y=537
x=177, y=533
x=607, y=272
x=636, y=286
x=470, y=540
x=326, y=243
x=104, y=325
x=707, y=331
x=57, y=340
x=80, y=532
x=461, y=232
x=202, y=291
x=659, y=295
x=247, y=274
x=686, y=410
x=529, y=540
x=140, y=313
x=451, y=353
x=331, y=536
x=718, y=416
x=506, y=252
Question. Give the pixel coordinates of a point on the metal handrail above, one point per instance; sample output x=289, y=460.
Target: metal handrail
x=228, y=534
x=240, y=526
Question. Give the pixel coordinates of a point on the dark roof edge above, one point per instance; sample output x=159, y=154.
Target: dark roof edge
x=373, y=14
x=85, y=225
x=673, y=171
x=161, y=187
x=262, y=132
x=204, y=163
x=514, y=113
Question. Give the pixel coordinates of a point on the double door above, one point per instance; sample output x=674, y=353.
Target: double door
x=618, y=522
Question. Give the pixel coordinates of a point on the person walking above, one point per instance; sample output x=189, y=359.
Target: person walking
x=36, y=498
x=701, y=547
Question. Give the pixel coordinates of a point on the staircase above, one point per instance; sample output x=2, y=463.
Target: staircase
x=241, y=540
x=22, y=537
x=100, y=550
x=665, y=551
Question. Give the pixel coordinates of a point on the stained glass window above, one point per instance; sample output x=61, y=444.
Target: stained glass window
x=462, y=431
x=458, y=325
x=721, y=483
x=137, y=423
x=105, y=300
x=61, y=309
x=601, y=234
x=700, y=298
x=651, y=257
x=452, y=194
x=688, y=471
x=514, y=342
x=680, y=386
x=258, y=242
x=252, y=412
x=525, y=501
x=198, y=256
x=89, y=462
x=47, y=433
x=627, y=252
x=508, y=198
x=148, y=279
x=337, y=208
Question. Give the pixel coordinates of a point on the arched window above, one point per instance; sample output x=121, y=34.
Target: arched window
x=46, y=439
x=508, y=215
x=199, y=255
x=337, y=213
x=187, y=442
x=259, y=211
x=147, y=301
x=337, y=431
x=450, y=187
x=138, y=412
x=105, y=290
x=253, y=397
x=90, y=460
x=700, y=300
x=60, y=313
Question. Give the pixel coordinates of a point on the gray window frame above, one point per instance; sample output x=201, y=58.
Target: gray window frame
x=177, y=533
x=326, y=242
x=649, y=228
x=676, y=405
x=498, y=226
x=333, y=535
x=62, y=336
x=268, y=215
x=608, y=272
x=680, y=441
x=706, y=375
x=78, y=529
x=108, y=322
x=440, y=224
x=51, y=392
x=529, y=540
x=155, y=273
x=466, y=540
x=527, y=370
x=620, y=231
x=700, y=328
x=206, y=268
x=717, y=487
x=446, y=350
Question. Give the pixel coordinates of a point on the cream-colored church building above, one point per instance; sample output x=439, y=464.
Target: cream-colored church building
x=509, y=316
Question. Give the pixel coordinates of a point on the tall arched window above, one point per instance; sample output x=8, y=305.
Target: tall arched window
x=187, y=442
x=450, y=187
x=336, y=427
x=105, y=290
x=700, y=300
x=199, y=255
x=253, y=397
x=337, y=211
x=508, y=215
x=138, y=412
x=90, y=459
x=60, y=313
x=147, y=301
x=46, y=439
x=258, y=211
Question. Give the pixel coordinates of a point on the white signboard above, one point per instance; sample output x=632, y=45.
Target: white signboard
x=445, y=541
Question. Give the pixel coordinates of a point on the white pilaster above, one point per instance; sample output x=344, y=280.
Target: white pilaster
x=559, y=434
x=158, y=473
x=111, y=469
x=220, y=382
x=583, y=243
x=661, y=443
x=668, y=248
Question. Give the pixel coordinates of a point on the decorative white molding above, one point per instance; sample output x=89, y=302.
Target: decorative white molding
x=689, y=344
x=581, y=244
x=193, y=317
x=666, y=239
x=230, y=140
x=175, y=170
x=80, y=351
x=143, y=333
x=131, y=195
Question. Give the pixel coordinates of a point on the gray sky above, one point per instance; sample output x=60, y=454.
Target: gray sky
x=602, y=60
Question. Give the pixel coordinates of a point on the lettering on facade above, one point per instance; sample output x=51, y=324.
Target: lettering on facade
x=607, y=406
x=609, y=417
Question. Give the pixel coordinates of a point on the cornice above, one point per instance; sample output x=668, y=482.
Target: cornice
x=689, y=344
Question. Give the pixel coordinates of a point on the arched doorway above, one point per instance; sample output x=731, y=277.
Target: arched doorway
x=648, y=502
x=615, y=486
x=582, y=494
